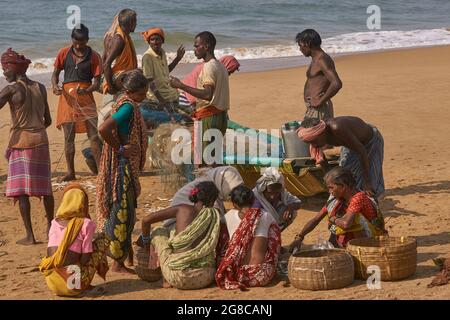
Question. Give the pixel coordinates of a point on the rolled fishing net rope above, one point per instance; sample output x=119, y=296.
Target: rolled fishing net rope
x=172, y=175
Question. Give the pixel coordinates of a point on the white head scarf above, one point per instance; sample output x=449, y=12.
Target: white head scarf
x=270, y=176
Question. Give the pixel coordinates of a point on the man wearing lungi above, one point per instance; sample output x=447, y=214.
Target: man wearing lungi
x=362, y=148
x=77, y=111
x=212, y=93
x=28, y=154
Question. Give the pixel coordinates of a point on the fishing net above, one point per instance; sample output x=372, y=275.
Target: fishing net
x=173, y=176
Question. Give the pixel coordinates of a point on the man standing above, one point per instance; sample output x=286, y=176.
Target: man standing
x=28, y=154
x=362, y=148
x=77, y=112
x=322, y=79
x=119, y=56
x=212, y=91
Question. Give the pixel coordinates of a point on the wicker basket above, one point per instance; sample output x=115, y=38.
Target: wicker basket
x=395, y=256
x=142, y=269
x=321, y=269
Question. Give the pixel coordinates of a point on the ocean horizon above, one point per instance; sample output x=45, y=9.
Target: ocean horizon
x=249, y=30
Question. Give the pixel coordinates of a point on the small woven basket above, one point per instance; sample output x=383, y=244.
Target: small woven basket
x=321, y=269
x=395, y=256
x=142, y=269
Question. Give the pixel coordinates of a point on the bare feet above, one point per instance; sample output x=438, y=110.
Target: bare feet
x=67, y=177
x=120, y=268
x=28, y=241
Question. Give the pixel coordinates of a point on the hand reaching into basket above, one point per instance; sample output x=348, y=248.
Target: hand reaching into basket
x=296, y=244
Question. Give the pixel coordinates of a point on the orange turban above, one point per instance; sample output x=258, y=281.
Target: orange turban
x=309, y=134
x=147, y=34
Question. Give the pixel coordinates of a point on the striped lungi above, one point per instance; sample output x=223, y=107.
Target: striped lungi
x=322, y=112
x=375, y=151
x=29, y=172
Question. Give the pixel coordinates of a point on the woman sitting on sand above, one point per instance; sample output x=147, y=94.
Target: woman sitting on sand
x=186, y=253
x=225, y=178
x=351, y=213
x=71, y=248
x=252, y=255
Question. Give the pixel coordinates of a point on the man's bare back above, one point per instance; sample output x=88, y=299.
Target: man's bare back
x=344, y=130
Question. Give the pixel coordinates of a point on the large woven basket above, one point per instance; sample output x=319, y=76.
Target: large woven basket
x=142, y=269
x=321, y=269
x=395, y=256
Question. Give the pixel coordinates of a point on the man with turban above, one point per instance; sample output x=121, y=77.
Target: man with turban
x=160, y=96
x=28, y=155
x=362, y=148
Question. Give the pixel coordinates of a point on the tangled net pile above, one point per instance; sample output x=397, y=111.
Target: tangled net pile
x=173, y=176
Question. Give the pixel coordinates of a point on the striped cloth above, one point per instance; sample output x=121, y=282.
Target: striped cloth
x=375, y=151
x=29, y=172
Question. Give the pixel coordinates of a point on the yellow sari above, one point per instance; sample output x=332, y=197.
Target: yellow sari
x=74, y=208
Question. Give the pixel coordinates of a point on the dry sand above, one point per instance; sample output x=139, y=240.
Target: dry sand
x=404, y=93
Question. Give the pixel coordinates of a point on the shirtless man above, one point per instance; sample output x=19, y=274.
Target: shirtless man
x=362, y=148
x=29, y=173
x=322, y=79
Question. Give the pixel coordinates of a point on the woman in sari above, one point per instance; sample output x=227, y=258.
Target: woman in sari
x=73, y=257
x=123, y=157
x=252, y=254
x=186, y=253
x=225, y=178
x=351, y=213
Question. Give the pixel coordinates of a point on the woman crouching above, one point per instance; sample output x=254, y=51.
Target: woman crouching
x=187, y=253
x=351, y=213
x=73, y=256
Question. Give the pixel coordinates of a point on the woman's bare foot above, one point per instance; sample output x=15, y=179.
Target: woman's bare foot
x=66, y=177
x=27, y=241
x=120, y=268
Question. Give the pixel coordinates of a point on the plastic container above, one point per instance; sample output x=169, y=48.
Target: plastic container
x=294, y=147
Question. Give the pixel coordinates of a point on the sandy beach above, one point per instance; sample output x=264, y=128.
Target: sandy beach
x=404, y=93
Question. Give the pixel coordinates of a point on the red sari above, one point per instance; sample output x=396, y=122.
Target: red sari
x=231, y=273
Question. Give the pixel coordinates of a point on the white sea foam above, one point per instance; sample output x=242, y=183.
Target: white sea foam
x=344, y=43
